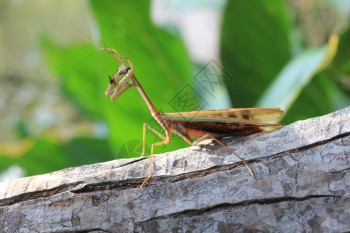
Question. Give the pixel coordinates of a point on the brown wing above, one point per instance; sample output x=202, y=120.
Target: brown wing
x=245, y=115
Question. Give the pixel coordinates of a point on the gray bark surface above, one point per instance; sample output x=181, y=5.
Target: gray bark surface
x=302, y=185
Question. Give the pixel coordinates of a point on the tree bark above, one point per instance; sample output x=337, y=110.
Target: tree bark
x=301, y=185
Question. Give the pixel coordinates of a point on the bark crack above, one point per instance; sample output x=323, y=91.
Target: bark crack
x=37, y=194
x=266, y=201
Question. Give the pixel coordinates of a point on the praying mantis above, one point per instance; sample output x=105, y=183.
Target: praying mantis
x=201, y=125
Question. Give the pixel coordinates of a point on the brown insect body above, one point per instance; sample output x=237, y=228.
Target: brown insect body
x=198, y=129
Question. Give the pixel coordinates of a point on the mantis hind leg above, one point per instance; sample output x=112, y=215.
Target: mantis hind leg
x=208, y=136
x=166, y=140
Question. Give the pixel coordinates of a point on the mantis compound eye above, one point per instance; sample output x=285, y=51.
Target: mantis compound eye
x=111, y=80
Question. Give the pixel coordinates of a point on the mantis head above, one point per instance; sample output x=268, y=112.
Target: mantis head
x=121, y=80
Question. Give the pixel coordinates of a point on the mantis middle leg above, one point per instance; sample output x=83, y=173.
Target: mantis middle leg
x=166, y=140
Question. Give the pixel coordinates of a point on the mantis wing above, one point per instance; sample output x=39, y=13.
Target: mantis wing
x=233, y=115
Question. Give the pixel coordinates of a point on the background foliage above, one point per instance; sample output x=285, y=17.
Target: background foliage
x=271, y=66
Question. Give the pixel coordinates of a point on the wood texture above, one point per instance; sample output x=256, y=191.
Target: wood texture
x=302, y=185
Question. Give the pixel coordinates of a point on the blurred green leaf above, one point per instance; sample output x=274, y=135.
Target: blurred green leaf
x=320, y=97
x=79, y=73
x=161, y=65
x=339, y=70
x=325, y=93
x=255, y=46
x=47, y=155
x=295, y=76
x=341, y=62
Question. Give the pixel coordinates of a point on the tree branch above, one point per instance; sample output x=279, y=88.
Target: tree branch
x=302, y=184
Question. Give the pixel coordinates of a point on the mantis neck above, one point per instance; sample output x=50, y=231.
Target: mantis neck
x=150, y=106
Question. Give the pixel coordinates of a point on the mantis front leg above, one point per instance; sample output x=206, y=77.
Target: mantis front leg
x=121, y=81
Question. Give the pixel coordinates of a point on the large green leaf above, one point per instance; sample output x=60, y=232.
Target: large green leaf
x=325, y=94
x=296, y=75
x=255, y=50
x=320, y=97
x=255, y=46
x=79, y=74
x=161, y=65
